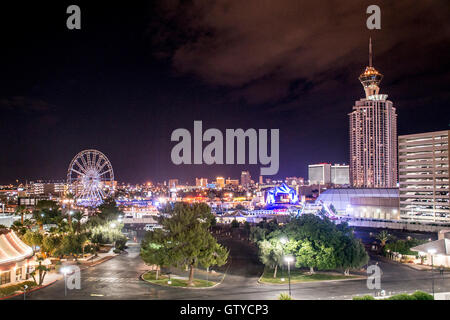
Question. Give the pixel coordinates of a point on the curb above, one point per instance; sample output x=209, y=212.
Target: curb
x=280, y=284
x=192, y=288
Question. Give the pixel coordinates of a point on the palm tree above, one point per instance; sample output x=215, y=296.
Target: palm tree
x=384, y=237
x=21, y=211
x=78, y=215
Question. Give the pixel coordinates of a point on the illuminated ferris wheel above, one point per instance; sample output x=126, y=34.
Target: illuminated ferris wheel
x=90, y=177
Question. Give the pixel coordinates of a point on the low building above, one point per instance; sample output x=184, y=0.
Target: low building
x=372, y=203
x=16, y=259
x=436, y=252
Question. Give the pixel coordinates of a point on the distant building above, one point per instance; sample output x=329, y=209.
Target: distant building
x=173, y=183
x=340, y=174
x=40, y=188
x=245, y=178
x=373, y=135
x=201, y=182
x=220, y=182
x=424, y=176
x=232, y=182
x=319, y=173
x=294, y=181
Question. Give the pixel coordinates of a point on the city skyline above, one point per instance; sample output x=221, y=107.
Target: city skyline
x=126, y=102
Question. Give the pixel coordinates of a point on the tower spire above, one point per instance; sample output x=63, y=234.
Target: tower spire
x=370, y=78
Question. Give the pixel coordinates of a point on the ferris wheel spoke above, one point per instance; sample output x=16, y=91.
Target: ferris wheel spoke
x=80, y=166
x=76, y=171
x=98, y=163
x=109, y=170
x=103, y=165
x=84, y=161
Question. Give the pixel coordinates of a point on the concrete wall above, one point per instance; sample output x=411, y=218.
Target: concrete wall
x=395, y=225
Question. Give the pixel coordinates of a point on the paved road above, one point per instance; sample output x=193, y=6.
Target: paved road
x=118, y=278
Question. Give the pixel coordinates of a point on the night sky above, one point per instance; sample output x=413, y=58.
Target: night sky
x=138, y=70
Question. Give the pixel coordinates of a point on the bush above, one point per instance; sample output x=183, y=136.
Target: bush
x=366, y=297
x=284, y=296
x=117, y=251
x=9, y=290
x=420, y=295
x=402, y=296
x=121, y=243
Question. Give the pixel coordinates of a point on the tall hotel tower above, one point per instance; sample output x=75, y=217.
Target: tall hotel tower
x=373, y=135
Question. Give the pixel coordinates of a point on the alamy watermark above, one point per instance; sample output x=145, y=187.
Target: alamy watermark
x=213, y=153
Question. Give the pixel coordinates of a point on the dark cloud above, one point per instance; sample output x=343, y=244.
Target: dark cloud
x=260, y=47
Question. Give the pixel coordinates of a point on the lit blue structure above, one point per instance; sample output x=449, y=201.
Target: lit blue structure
x=281, y=195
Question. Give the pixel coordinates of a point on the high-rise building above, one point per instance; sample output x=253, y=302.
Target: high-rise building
x=424, y=176
x=220, y=182
x=373, y=135
x=319, y=173
x=245, y=178
x=201, y=182
x=340, y=174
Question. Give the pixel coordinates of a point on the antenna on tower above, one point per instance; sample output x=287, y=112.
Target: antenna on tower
x=370, y=51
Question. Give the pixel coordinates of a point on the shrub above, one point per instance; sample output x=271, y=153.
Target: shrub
x=121, y=243
x=9, y=290
x=284, y=296
x=402, y=296
x=116, y=251
x=366, y=297
x=420, y=295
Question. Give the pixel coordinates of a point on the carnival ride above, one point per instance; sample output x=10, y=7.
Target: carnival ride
x=90, y=178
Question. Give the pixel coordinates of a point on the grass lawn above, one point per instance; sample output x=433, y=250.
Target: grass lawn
x=11, y=289
x=300, y=276
x=162, y=280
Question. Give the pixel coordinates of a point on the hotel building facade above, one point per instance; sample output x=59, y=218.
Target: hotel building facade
x=424, y=176
x=373, y=135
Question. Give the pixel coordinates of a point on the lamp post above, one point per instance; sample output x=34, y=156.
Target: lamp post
x=289, y=259
x=432, y=252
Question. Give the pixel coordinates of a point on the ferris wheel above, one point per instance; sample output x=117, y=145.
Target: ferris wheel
x=90, y=177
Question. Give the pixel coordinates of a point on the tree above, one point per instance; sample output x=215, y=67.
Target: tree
x=21, y=210
x=50, y=244
x=185, y=239
x=33, y=239
x=41, y=270
x=257, y=234
x=108, y=210
x=235, y=224
x=318, y=243
x=383, y=237
x=77, y=216
x=271, y=254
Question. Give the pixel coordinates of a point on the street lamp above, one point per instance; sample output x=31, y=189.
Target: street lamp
x=432, y=252
x=289, y=259
x=65, y=271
